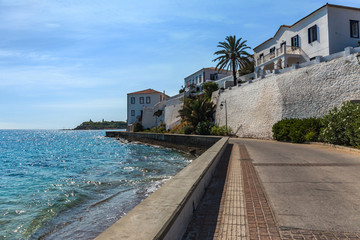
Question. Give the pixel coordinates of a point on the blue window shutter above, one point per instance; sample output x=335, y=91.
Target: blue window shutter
x=309, y=38
x=315, y=32
x=297, y=41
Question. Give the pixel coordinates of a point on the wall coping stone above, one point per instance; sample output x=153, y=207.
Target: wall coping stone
x=166, y=213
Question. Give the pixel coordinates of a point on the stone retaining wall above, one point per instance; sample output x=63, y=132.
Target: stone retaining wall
x=173, y=105
x=312, y=91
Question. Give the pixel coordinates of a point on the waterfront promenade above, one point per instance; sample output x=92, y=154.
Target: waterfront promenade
x=273, y=190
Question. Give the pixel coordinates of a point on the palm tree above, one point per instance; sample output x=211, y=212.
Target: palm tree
x=249, y=68
x=196, y=110
x=233, y=55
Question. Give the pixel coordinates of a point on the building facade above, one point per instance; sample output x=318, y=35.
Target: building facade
x=139, y=101
x=325, y=31
x=206, y=74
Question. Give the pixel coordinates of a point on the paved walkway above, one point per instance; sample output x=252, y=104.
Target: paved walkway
x=247, y=198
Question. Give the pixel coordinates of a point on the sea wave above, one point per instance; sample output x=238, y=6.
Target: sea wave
x=74, y=184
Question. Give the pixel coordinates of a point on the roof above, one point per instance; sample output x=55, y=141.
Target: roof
x=290, y=26
x=148, y=91
x=211, y=68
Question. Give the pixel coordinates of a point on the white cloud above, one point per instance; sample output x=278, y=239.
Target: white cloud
x=47, y=77
x=26, y=55
x=93, y=103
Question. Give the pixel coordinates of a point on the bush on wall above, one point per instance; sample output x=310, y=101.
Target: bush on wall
x=138, y=127
x=342, y=126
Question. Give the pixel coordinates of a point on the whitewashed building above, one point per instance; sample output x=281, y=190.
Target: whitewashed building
x=329, y=29
x=140, y=107
x=203, y=75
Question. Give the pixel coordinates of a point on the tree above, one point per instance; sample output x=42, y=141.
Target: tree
x=196, y=110
x=249, y=68
x=209, y=88
x=233, y=55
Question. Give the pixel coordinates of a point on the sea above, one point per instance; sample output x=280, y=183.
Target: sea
x=62, y=184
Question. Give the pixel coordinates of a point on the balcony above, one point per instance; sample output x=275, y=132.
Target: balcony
x=284, y=50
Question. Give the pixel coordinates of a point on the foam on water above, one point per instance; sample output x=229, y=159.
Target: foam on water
x=75, y=184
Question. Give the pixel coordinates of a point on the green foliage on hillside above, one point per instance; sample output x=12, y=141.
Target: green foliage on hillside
x=90, y=125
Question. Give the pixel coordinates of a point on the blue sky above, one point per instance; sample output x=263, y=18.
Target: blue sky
x=63, y=62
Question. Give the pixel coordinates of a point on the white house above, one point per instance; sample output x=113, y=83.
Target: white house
x=205, y=74
x=143, y=101
x=327, y=30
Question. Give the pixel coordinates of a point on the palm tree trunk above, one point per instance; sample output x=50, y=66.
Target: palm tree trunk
x=234, y=72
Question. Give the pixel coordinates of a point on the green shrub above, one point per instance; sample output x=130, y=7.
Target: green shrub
x=220, y=130
x=295, y=130
x=138, y=127
x=209, y=88
x=181, y=131
x=342, y=126
x=311, y=136
x=188, y=129
x=203, y=128
x=281, y=130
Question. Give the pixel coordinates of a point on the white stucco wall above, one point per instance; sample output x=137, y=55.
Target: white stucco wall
x=149, y=120
x=171, y=115
x=339, y=28
x=307, y=92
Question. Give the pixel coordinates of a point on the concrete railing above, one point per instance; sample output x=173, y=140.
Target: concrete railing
x=168, y=211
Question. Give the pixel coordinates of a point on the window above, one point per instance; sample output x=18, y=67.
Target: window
x=213, y=76
x=312, y=34
x=132, y=112
x=141, y=100
x=295, y=41
x=132, y=100
x=354, y=29
x=148, y=100
x=272, y=52
x=200, y=78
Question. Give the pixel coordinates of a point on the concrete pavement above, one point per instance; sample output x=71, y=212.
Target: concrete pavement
x=309, y=186
x=289, y=191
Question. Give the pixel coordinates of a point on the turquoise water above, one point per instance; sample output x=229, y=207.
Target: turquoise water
x=74, y=184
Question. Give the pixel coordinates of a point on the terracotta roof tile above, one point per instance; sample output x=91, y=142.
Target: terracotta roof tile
x=147, y=91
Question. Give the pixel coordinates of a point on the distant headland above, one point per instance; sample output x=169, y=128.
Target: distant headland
x=90, y=125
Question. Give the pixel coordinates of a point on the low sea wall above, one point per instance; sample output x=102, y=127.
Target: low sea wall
x=195, y=144
x=167, y=212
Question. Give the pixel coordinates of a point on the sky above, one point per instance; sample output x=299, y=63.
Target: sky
x=63, y=62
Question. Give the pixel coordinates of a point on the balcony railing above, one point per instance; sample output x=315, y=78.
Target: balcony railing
x=279, y=52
